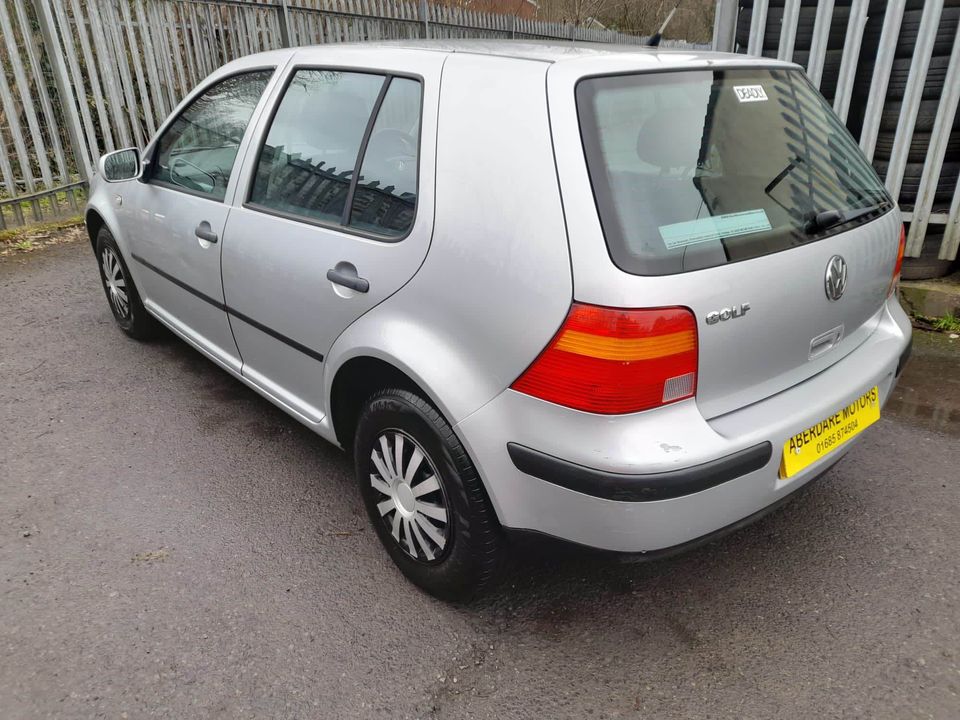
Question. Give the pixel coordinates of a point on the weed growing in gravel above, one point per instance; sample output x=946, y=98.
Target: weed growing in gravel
x=947, y=323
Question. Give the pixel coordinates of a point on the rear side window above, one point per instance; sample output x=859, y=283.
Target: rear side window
x=386, y=194
x=696, y=169
x=342, y=150
x=197, y=151
x=308, y=159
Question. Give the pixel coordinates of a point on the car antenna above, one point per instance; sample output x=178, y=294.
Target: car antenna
x=655, y=39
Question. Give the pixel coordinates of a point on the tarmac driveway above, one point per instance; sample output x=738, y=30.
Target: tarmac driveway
x=173, y=546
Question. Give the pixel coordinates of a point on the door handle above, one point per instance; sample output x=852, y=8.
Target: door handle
x=346, y=274
x=204, y=232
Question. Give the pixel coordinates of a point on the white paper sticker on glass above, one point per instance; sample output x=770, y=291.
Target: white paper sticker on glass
x=750, y=93
x=709, y=229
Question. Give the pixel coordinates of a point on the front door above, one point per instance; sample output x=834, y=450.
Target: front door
x=331, y=223
x=183, y=213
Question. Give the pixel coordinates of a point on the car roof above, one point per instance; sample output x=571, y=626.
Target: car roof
x=547, y=51
x=541, y=50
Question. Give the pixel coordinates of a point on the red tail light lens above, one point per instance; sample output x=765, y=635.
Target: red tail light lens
x=899, y=264
x=613, y=361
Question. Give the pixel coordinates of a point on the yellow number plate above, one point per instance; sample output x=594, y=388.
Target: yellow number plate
x=805, y=448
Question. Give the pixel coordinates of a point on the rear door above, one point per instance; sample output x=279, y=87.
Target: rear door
x=734, y=192
x=335, y=216
x=182, y=210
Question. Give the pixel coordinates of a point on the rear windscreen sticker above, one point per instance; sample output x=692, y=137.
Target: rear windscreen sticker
x=717, y=227
x=750, y=93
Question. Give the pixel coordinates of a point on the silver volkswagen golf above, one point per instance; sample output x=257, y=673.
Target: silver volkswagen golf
x=627, y=298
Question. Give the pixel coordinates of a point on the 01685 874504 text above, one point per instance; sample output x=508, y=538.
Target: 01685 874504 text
x=805, y=448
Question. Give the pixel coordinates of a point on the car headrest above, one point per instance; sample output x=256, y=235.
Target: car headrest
x=671, y=138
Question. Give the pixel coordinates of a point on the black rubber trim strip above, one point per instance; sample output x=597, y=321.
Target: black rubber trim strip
x=905, y=357
x=277, y=336
x=179, y=283
x=639, y=488
x=220, y=306
x=362, y=151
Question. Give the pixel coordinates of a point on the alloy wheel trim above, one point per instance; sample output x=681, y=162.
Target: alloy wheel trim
x=411, y=503
x=116, y=283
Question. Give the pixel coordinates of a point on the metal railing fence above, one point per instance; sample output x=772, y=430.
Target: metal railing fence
x=929, y=203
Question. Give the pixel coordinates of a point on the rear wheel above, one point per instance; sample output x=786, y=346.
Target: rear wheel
x=424, y=497
x=120, y=290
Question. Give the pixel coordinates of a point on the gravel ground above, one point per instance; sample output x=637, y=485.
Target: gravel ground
x=173, y=546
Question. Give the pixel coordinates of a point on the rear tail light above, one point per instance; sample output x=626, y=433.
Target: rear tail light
x=614, y=361
x=899, y=264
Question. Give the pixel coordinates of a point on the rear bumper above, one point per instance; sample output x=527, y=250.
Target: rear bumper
x=648, y=487
x=654, y=480
x=533, y=537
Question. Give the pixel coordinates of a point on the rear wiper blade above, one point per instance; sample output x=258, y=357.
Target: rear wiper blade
x=827, y=219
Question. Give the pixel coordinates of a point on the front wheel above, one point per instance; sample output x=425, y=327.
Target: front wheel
x=121, y=293
x=424, y=497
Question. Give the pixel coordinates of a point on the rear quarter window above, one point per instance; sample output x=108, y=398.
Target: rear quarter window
x=695, y=169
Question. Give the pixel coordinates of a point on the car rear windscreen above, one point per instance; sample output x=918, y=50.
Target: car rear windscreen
x=695, y=169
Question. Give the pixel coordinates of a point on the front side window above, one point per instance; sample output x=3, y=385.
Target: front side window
x=695, y=169
x=196, y=153
x=306, y=165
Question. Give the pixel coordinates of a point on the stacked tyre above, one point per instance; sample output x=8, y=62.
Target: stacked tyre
x=927, y=265
x=803, y=38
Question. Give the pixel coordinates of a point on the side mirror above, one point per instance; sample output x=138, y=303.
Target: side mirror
x=120, y=165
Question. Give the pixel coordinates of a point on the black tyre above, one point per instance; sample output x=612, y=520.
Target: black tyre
x=803, y=3
x=120, y=290
x=424, y=497
x=911, y=181
x=926, y=115
x=918, y=146
x=909, y=28
x=877, y=8
x=928, y=265
x=936, y=74
x=805, y=23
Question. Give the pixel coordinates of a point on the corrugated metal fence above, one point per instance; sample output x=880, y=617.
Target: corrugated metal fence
x=892, y=71
x=83, y=77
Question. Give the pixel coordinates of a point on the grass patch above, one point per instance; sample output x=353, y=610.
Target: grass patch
x=52, y=204
x=46, y=206
x=12, y=236
x=34, y=237
x=947, y=323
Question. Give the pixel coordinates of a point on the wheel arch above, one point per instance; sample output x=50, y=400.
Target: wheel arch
x=93, y=221
x=100, y=214
x=356, y=380
x=391, y=344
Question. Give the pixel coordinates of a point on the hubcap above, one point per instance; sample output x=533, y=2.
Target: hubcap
x=413, y=505
x=116, y=282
